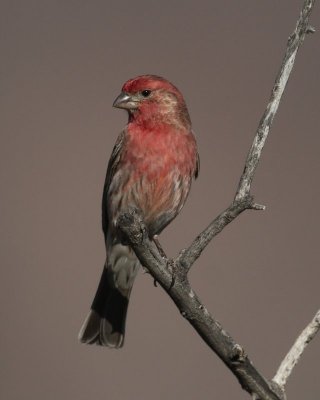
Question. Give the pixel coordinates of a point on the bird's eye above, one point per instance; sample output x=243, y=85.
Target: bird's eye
x=146, y=93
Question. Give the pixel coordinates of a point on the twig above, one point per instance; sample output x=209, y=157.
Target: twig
x=187, y=257
x=292, y=358
x=187, y=301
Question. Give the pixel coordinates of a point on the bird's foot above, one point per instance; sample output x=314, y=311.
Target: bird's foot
x=161, y=251
x=145, y=271
x=171, y=265
x=159, y=247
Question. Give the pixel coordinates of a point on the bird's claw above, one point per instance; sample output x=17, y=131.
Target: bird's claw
x=159, y=247
x=171, y=265
x=145, y=271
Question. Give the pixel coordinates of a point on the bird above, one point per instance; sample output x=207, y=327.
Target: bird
x=151, y=168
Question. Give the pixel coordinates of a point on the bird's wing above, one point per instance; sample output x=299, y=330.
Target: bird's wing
x=112, y=167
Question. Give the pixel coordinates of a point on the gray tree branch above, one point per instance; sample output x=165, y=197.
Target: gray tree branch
x=172, y=274
x=294, y=354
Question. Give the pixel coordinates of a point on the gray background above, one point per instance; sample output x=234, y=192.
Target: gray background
x=62, y=65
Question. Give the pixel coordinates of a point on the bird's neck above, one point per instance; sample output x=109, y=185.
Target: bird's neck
x=167, y=118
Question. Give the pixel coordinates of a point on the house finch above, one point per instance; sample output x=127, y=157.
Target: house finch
x=151, y=168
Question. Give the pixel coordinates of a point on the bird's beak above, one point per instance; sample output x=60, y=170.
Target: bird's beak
x=125, y=101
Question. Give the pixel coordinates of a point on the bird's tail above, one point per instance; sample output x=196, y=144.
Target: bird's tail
x=105, y=323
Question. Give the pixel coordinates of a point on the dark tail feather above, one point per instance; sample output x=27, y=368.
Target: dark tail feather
x=105, y=323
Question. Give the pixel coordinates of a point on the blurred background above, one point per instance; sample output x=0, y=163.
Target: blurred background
x=62, y=65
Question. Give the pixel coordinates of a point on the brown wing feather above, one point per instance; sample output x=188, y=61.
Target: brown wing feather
x=112, y=167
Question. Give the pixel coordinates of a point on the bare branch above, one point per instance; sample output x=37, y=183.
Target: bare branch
x=188, y=256
x=292, y=358
x=294, y=42
x=243, y=200
x=191, y=308
x=172, y=274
